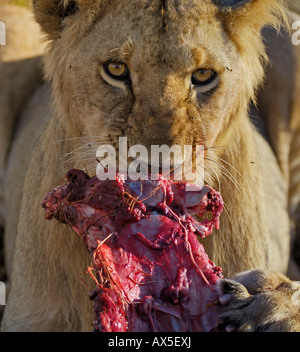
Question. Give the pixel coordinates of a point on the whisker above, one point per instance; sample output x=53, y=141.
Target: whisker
x=79, y=151
x=78, y=138
x=79, y=160
x=227, y=163
x=225, y=180
x=86, y=149
x=76, y=151
x=225, y=172
x=80, y=156
x=225, y=207
x=216, y=178
x=216, y=148
x=205, y=178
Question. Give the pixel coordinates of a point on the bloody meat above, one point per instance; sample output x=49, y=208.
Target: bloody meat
x=150, y=270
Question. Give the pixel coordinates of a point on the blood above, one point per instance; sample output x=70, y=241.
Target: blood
x=150, y=271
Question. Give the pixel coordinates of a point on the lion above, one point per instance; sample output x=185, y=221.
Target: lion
x=188, y=72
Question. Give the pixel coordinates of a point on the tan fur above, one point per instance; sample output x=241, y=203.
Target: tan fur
x=260, y=301
x=18, y=75
x=160, y=108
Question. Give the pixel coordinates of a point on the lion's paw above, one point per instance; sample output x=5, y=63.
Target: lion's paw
x=259, y=301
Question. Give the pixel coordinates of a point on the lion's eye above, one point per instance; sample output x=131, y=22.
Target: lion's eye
x=116, y=70
x=203, y=76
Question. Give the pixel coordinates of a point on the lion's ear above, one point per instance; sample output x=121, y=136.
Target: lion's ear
x=230, y=4
x=52, y=14
x=252, y=13
x=244, y=18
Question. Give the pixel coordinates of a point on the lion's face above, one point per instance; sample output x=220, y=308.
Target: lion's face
x=155, y=72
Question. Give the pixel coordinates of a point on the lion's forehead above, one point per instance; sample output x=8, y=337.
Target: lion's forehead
x=178, y=35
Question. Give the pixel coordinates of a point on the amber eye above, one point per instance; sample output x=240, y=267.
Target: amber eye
x=116, y=70
x=203, y=76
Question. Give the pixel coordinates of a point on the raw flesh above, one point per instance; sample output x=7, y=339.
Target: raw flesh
x=150, y=270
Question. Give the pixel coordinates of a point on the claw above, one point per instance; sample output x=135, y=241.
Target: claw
x=224, y=299
x=230, y=328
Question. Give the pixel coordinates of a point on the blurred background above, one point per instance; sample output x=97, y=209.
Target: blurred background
x=294, y=5
x=16, y=2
